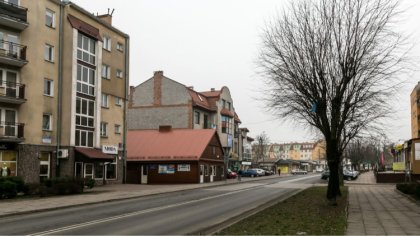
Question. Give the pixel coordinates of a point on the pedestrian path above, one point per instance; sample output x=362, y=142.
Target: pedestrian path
x=378, y=209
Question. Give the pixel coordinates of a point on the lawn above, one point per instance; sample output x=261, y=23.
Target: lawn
x=307, y=212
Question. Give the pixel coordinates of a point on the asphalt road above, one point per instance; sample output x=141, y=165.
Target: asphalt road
x=191, y=211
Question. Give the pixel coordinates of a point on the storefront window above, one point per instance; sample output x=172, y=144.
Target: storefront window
x=111, y=170
x=8, y=163
x=99, y=170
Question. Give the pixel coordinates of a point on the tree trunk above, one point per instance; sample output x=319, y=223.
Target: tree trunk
x=333, y=157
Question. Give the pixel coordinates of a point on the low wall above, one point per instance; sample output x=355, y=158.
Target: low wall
x=390, y=177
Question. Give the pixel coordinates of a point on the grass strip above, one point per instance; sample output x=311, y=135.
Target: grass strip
x=308, y=212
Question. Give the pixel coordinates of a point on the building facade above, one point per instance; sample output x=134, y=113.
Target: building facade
x=162, y=101
x=65, y=74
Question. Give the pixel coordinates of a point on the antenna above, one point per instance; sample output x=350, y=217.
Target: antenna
x=112, y=12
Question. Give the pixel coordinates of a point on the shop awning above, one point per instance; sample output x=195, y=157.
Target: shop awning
x=93, y=153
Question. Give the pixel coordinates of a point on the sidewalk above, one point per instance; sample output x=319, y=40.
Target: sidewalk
x=378, y=209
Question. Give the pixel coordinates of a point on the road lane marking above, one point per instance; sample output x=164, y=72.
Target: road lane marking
x=81, y=225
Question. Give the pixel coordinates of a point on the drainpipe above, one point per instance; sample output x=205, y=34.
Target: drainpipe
x=127, y=68
x=59, y=85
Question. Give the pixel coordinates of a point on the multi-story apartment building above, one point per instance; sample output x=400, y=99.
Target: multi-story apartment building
x=64, y=76
x=162, y=101
x=415, y=112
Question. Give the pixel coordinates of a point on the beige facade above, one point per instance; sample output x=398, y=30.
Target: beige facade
x=415, y=112
x=69, y=99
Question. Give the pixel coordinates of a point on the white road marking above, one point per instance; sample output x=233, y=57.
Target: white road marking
x=75, y=226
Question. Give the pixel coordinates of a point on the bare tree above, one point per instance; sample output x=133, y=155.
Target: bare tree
x=261, y=146
x=362, y=151
x=331, y=64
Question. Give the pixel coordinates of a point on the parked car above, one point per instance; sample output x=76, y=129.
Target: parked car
x=350, y=174
x=260, y=171
x=250, y=173
x=268, y=172
x=325, y=174
x=231, y=174
x=299, y=172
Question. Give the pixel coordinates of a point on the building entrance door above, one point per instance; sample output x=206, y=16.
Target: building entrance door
x=144, y=173
x=211, y=173
x=201, y=174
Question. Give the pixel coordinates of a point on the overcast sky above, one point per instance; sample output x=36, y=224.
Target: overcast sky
x=214, y=43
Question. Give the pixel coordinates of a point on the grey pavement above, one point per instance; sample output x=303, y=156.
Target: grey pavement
x=103, y=193
x=379, y=209
x=374, y=209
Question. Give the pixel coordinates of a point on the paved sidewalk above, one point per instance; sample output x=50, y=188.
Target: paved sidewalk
x=378, y=209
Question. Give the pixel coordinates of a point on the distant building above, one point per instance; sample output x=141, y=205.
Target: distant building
x=162, y=101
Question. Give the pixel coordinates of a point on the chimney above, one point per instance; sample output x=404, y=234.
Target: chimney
x=212, y=89
x=165, y=128
x=157, y=88
x=159, y=72
x=107, y=17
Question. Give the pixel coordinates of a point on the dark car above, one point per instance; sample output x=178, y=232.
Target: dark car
x=325, y=174
x=250, y=173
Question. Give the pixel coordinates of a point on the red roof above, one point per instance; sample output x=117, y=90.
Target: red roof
x=177, y=144
x=226, y=112
x=201, y=100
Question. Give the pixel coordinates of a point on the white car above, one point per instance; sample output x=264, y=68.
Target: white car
x=299, y=172
x=260, y=172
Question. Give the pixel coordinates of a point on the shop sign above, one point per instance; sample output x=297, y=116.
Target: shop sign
x=246, y=163
x=110, y=149
x=184, y=167
x=166, y=169
x=398, y=166
x=46, y=138
x=230, y=140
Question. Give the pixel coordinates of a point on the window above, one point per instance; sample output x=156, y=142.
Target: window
x=106, y=71
x=226, y=125
x=85, y=80
x=85, y=112
x=14, y=2
x=44, y=166
x=111, y=170
x=117, y=129
x=49, y=53
x=46, y=122
x=104, y=129
x=197, y=117
x=86, y=49
x=228, y=106
x=99, y=170
x=118, y=101
x=105, y=100
x=84, y=138
x=120, y=74
x=120, y=47
x=48, y=87
x=8, y=163
x=107, y=43
x=50, y=18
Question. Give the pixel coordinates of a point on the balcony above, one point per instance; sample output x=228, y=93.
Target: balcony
x=12, y=54
x=11, y=132
x=12, y=93
x=13, y=16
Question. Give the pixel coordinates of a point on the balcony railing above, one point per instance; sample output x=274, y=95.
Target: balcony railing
x=12, y=50
x=11, y=129
x=12, y=90
x=13, y=15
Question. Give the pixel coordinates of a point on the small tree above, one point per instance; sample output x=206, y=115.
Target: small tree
x=331, y=64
